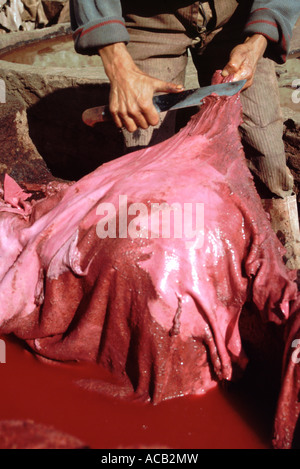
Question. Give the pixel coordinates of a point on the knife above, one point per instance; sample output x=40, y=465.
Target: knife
x=170, y=101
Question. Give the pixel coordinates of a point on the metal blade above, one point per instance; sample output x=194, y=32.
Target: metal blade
x=188, y=98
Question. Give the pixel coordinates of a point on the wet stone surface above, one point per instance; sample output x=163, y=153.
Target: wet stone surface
x=18, y=156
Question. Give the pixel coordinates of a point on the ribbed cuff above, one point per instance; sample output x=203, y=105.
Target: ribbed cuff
x=93, y=35
x=262, y=21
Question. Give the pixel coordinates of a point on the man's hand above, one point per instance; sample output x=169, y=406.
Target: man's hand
x=131, y=90
x=244, y=57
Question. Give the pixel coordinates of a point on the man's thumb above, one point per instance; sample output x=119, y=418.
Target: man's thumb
x=166, y=87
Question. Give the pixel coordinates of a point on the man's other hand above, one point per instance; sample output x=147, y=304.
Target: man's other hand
x=244, y=57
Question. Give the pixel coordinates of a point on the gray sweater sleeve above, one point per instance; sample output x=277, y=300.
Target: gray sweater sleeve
x=274, y=19
x=96, y=23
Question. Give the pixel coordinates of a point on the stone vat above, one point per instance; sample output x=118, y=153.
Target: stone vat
x=48, y=86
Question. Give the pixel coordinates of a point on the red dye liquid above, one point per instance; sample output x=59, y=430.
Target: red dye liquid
x=48, y=394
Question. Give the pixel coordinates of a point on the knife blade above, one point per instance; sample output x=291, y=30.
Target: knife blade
x=170, y=101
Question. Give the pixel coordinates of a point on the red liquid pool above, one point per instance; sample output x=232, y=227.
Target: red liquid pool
x=48, y=394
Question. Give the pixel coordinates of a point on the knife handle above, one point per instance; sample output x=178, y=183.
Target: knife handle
x=96, y=114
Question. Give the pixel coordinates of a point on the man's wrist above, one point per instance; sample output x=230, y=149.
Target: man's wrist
x=258, y=42
x=116, y=57
x=112, y=50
